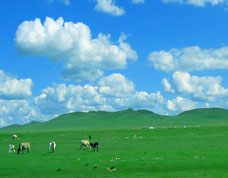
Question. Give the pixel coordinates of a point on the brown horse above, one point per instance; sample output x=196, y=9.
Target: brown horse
x=23, y=146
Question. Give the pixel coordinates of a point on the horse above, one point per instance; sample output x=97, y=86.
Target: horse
x=23, y=146
x=94, y=145
x=11, y=148
x=85, y=143
x=52, y=146
x=15, y=137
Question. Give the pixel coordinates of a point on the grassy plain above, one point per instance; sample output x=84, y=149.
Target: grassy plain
x=175, y=152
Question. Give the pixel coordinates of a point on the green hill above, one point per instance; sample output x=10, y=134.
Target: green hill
x=129, y=118
x=206, y=116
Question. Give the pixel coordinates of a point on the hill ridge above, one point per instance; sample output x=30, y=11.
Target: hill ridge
x=126, y=119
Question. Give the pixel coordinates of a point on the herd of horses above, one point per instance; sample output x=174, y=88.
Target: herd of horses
x=52, y=145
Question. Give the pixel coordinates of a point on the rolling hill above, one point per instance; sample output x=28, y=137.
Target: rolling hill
x=129, y=118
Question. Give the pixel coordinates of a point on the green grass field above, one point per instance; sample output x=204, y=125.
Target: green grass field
x=190, y=152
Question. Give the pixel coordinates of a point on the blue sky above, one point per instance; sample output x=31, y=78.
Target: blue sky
x=60, y=56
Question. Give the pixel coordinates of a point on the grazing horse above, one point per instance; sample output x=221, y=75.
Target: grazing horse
x=15, y=137
x=85, y=143
x=94, y=145
x=23, y=146
x=52, y=146
x=11, y=148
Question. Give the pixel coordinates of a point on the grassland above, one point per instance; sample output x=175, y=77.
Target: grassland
x=170, y=150
x=190, y=152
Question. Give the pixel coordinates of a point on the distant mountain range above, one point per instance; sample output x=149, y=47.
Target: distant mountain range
x=95, y=120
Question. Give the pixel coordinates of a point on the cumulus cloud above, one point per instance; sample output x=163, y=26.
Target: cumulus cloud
x=19, y=111
x=111, y=93
x=146, y=100
x=110, y=7
x=13, y=88
x=116, y=85
x=199, y=3
x=120, y=94
x=127, y=48
x=138, y=1
x=167, y=85
x=203, y=88
x=180, y=104
x=84, y=57
x=190, y=59
x=62, y=99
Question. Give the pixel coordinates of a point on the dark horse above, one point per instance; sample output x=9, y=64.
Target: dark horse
x=94, y=145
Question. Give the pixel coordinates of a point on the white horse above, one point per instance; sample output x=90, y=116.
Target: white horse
x=85, y=143
x=15, y=137
x=52, y=146
x=11, y=148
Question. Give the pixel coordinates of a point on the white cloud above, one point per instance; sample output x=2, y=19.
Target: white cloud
x=146, y=100
x=120, y=94
x=108, y=6
x=190, y=59
x=111, y=93
x=84, y=57
x=180, y=104
x=127, y=48
x=204, y=88
x=171, y=106
x=167, y=85
x=62, y=99
x=19, y=111
x=138, y=1
x=199, y=3
x=162, y=60
x=13, y=88
x=116, y=85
